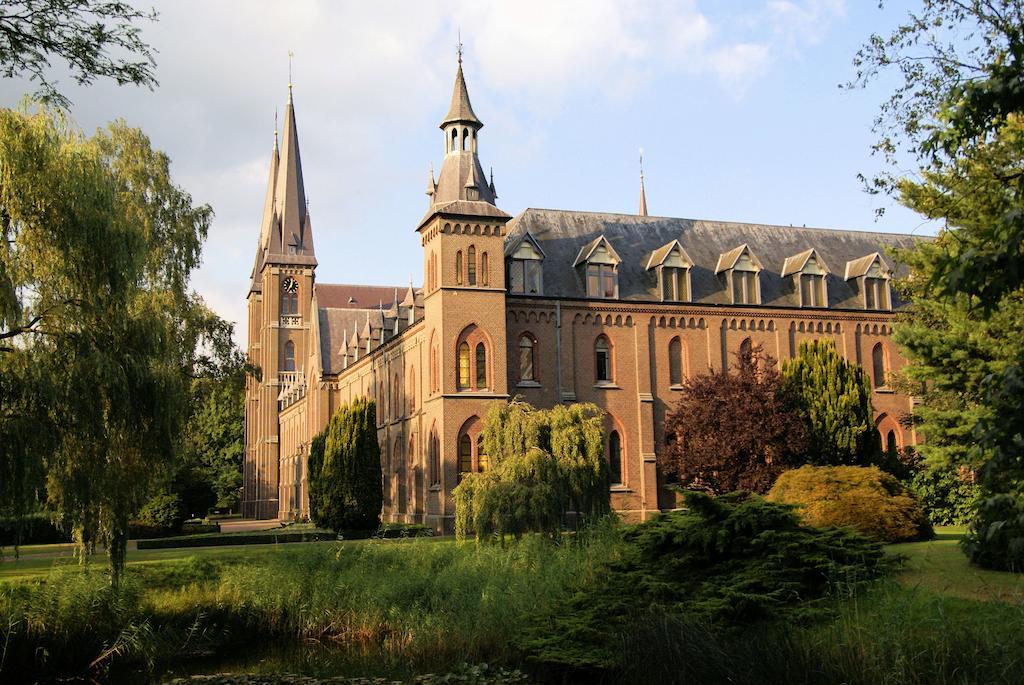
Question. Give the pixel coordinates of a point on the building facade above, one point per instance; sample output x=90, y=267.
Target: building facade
x=552, y=306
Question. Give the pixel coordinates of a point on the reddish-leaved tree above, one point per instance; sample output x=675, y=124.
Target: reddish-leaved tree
x=736, y=430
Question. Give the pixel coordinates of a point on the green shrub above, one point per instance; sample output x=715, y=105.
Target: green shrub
x=163, y=511
x=346, y=489
x=727, y=561
x=33, y=529
x=948, y=495
x=864, y=498
x=404, y=530
x=995, y=537
x=544, y=463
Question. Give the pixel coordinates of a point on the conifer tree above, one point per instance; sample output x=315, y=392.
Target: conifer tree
x=345, y=481
x=833, y=397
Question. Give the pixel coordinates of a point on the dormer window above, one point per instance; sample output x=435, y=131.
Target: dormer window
x=524, y=268
x=673, y=266
x=742, y=270
x=808, y=271
x=872, y=276
x=600, y=263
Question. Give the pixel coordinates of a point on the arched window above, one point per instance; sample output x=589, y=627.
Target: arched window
x=412, y=390
x=464, y=382
x=289, y=297
x=289, y=356
x=465, y=456
x=471, y=265
x=458, y=267
x=481, y=366
x=615, y=458
x=878, y=366
x=396, y=397
x=381, y=409
x=675, y=361
x=890, y=442
x=603, y=360
x=484, y=269
x=455, y=138
x=483, y=462
x=465, y=134
x=434, y=452
x=527, y=363
x=746, y=349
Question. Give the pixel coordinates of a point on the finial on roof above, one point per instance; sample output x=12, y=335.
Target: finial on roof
x=643, y=195
x=275, y=129
x=431, y=184
x=458, y=46
x=290, y=55
x=493, y=191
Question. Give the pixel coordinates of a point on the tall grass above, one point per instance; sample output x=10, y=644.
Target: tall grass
x=891, y=635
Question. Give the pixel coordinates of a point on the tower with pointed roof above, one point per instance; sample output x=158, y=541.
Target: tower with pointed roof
x=280, y=311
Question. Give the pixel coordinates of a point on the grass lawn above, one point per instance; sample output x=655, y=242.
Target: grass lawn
x=941, y=566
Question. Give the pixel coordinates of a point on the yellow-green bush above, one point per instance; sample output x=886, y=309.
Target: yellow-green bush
x=865, y=498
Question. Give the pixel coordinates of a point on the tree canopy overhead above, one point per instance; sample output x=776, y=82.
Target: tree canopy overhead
x=92, y=38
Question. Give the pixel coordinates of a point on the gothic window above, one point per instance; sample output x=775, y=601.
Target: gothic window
x=483, y=462
x=675, y=361
x=602, y=360
x=464, y=380
x=746, y=349
x=527, y=361
x=381, y=409
x=455, y=139
x=890, y=442
x=465, y=456
x=878, y=367
x=481, y=366
x=484, y=275
x=289, y=356
x=434, y=454
x=473, y=366
x=458, y=267
x=396, y=397
x=412, y=390
x=289, y=297
x=615, y=458
x=471, y=265
x=465, y=134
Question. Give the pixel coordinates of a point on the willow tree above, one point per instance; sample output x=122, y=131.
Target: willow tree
x=833, y=397
x=98, y=245
x=544, y=464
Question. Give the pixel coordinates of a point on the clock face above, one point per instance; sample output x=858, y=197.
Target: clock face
x=290, y=285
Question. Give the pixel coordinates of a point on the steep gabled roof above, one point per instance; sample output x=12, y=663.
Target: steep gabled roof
x=798, y=261
x=659, y=256
x=861, y=266
x=588, y=250
x=727, y=260
x=512, y=245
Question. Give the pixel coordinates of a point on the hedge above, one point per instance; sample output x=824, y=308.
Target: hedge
x=36, y=529
x=253, y=538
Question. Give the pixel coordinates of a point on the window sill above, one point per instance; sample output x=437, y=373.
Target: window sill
x=620, y=488
x=676, y=386
x=436, y=487
x=885, y=391
x=527, y=384
x=605, y=385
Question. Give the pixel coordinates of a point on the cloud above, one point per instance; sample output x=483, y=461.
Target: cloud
x=371, y=81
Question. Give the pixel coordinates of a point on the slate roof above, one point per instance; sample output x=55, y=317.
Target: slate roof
x=562, y=234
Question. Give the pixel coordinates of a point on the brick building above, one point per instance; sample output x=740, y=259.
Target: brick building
x=554, y=306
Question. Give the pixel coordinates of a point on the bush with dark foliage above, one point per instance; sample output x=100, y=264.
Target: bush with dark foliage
x=727, y=561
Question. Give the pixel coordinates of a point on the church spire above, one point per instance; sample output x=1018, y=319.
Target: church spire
x=461, y=177
x=293, y=237
x=643, y=195
x=267, y=222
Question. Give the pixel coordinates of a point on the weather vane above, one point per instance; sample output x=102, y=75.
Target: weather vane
x=290, y=55
x=458, y=47
x=641, y=163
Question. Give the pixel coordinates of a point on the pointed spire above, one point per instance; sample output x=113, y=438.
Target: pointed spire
x=461, y=111
x=643, y=195
x=294, y=235
x=431, y=183
x=493, y=191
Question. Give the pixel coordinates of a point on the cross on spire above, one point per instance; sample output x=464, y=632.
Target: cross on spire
x=458, y=47
x=290, y=56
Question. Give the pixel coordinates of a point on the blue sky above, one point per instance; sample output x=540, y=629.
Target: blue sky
x=735, y=104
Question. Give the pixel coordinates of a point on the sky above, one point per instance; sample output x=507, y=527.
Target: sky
x=735, y=104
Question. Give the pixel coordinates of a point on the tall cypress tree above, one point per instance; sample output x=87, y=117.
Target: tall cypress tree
x=345, y=481
x=834, y=398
